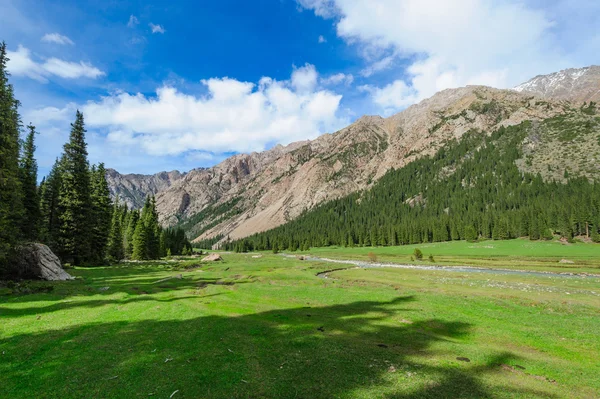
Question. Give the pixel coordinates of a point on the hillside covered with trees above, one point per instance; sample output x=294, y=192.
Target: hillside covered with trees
x=472, y=188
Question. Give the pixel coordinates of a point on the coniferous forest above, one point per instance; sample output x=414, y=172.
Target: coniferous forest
x=71, y=210
x=470, y=189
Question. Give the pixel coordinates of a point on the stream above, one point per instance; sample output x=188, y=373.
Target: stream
x=459, y=269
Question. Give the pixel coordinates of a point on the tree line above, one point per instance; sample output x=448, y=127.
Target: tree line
x=71, y=210
x=471, y=189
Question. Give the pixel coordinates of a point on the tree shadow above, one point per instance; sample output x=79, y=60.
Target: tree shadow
x=360, y=349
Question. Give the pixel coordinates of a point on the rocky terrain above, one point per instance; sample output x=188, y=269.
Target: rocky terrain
x=249, y=193
x=133, y=188
x=576, y=85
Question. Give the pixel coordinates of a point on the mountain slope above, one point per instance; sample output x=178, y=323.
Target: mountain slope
x=576, y=85
x=134, y=188
x=246, y=194
x=475, y=186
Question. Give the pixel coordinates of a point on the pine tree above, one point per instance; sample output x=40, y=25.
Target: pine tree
x=31, y=219
x=115, y=239
x=74, y=199
x=134, y=217
x=140, y=238
x=154, y=231
x=11, y=205
x=49, y=208
x=101, y=213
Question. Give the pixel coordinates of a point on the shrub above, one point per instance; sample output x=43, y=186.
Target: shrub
x=431, y=258
x=418, y=254
x=372, y=257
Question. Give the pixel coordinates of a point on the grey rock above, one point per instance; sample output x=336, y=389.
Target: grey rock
x=37, y=261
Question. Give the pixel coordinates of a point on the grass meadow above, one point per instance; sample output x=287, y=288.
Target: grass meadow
x=269, y=327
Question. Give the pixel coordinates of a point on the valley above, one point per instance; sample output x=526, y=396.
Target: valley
x=264, y=325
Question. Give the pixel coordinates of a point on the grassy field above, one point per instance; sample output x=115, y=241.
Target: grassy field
x=268, y=327
x=510, y=254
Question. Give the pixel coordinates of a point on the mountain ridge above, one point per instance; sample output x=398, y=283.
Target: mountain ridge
x=249, y=193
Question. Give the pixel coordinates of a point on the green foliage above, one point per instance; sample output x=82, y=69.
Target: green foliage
x=30, y=224
x=146, y=237
x=11, y=196
x=418, y=254
x=485, y=195
x=75, y=201
x=49, y=207
x=116, y=250
x=101, y=214
x=431, y=259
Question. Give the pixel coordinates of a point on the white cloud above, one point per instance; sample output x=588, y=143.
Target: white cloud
x=22, y=64
x=377, y=66
x=133, y=21
x=454, y=43
x=57, y=38
x=338, y=78
x=304, y=79
x=156, y=28
x=322, y=39
x=233, y=116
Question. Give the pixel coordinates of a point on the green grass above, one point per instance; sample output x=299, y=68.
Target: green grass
x=270, y=328
x=509, y=254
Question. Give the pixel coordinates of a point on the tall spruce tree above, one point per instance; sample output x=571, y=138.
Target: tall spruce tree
x=49, y=207
x=101, y=213
x=31, y=219
x=74, y=199
x=132, y=222
x=115, y=239
x=11, y=205
x=141, y=235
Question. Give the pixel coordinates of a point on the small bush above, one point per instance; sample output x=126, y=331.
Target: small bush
x=431, y=258
x=418, y=254
x=372, y=257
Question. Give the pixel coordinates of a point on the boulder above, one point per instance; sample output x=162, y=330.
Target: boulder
x=212, y=258
x=37, y=261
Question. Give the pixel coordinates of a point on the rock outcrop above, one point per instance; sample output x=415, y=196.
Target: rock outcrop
x=37, y=261
x=133, y=188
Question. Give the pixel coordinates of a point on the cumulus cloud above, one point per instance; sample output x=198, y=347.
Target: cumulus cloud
x=57, y=38
x=133, y=21
x=156, y=28
x=233, y=116
x=304, y=79
x=22, y=64
x=322, y=39
x=449, y=44
x=337, y=79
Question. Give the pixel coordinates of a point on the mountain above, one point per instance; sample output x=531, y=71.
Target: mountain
x=250, y=193
x=133, y=188
x=255, y=192
x=576, y=85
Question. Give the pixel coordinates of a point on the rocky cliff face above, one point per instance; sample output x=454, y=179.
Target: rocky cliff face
x=254, y=192
x=576, y=85
x=133, y=189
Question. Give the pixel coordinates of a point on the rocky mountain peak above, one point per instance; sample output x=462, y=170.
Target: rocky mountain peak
x=574, y=84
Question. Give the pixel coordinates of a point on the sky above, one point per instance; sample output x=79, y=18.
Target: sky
x=167, y=85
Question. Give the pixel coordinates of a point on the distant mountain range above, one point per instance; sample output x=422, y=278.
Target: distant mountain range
x=249, y=193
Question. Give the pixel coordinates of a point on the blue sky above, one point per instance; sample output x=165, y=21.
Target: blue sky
x=177, y=85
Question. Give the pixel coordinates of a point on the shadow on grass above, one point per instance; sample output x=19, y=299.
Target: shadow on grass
x=360, y=349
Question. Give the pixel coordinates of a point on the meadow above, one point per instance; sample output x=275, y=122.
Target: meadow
x=268, y=326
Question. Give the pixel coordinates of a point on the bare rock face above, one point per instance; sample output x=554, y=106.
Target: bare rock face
x=575, y=84
x=37, y=261
x=250, y=193
x=133, y=188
